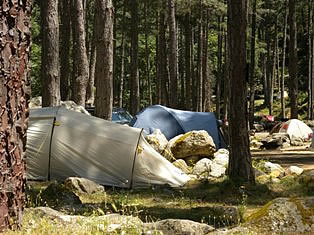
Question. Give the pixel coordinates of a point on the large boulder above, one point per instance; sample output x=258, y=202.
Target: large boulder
x=177, y=226
x=107, y=224
x=202, y=167
x=307, y=178
x=217, y=170
x=181, y=164
x=284, y=216
x=273, y=168
x=159, y=142
x=56, y=195
x=221, y=157
x=82, y=185
x=193, y=143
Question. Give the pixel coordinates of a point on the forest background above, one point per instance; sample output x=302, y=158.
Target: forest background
x=175, y=53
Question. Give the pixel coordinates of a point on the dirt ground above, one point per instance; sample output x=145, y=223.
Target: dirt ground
x=302, y=156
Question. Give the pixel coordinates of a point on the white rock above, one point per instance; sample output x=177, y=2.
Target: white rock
x=270, y=167
x=222, y=159
x=217, y=170
x=294, y=170
x=202, y=166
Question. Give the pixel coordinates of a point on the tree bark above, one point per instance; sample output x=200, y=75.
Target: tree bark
x=200, y=62
x=252, y=80
x=188, y=66
x=206, y=69
x=15, y=21
x=104, y=59
x=65, y=30
x=162, y=58
x=310, y=58
x=121, y=84
x=240, y=165
x=173, y=60
x=135, y=88
x=219, y=67
x=293, y=60
x=147, y=64
x=90, y=93
x=282, y=80
x=81, y=68
x=50, y=53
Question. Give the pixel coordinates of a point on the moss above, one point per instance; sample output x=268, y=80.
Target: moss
x=183, y=137
x=260, y=213
x=306, y=214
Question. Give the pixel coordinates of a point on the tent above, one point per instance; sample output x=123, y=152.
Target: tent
x=63, y=143
x=173, y=122
x=296, y=129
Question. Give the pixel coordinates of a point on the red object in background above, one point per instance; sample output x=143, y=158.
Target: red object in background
x=270, y=118
x=285, y=126
x=310, y=135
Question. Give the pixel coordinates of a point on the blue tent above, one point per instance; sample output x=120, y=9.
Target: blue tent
x=173, y=122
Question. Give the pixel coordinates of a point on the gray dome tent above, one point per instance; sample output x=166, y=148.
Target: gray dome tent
x=63, y=143
x=173, y=122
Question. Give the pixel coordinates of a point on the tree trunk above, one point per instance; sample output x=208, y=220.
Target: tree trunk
x=293, y=60
x=65, y=30
x=312, y=67
x=206, y=69
x=173, y=60
x=282, y=80
x=310, y=55
x=135, y=88
x=219, y=67
x=240, y=165
x=252, y=80
x=162, y=58
x=90, y=93
x=199, y=88
x=147, y=65
x=188, y=66
x=80, y=57
x=50, y=53
x=121, y=84
x=15, y=20
x=104, y=59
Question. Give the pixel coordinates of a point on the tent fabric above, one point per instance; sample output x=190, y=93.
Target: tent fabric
x=296, y=129
x=173, y=122
x=63, y=143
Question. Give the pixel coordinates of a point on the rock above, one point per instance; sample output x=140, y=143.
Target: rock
x=111, y=223
x=307, y=178
x=167, y=152
x=256, y=144
x=284, y=215
x=181, y=164
x=258, y=172
x=192, y=160
x=203, y=166
x=36, y=102
x=217, y=170
x=270, y=167
x=71, y=105
x=57, y=195
x=221, y=157
x=271, y=143
x=294, y=170
x=263, y=179
x=258, y=127
x=276, y=174
x=176, y=226
x=82, y=185
x=193, y=143
x=157, y=140
x=296, y=142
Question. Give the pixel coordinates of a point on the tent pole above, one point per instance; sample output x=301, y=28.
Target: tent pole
x=138, y=141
